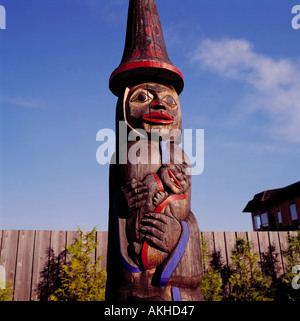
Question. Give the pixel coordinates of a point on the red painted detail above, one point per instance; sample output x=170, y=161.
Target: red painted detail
x=159, y=183
x=150, y=18
x=154, y=50
x=136, y=53
x=149, y=30
x=145, y=64
x=175, y=181
x=156, y=28
x=170, y=199
x=145, y=256
x=158, y=118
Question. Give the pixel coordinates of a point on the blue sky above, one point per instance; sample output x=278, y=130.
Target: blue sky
x=241, y=63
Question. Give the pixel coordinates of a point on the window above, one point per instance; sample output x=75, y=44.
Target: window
x=279, y=217
x=293, y=210
x=257, y=222
x=264, y=220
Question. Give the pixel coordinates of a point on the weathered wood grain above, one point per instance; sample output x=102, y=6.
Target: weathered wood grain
x=283, y=243
x=24, y=266
x=208, y=239
x=40, y=259
x=101, y=249
x=230, y=240
x=9, y=252
x=275, y=244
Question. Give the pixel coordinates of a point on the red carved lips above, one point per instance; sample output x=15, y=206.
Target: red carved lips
x=158, y=118
x=173, y=179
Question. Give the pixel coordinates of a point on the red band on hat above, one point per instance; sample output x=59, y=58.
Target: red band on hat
x=144, y=64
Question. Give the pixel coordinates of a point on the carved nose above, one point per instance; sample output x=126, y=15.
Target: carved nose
x=158, y=106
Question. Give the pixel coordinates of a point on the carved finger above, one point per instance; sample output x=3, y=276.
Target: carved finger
x=137, y=205
x=155, y=223
x=136, y=198
x=158, y=216
x=137, y=191
x=148, y=230
x=156, y=243
x=135, y=184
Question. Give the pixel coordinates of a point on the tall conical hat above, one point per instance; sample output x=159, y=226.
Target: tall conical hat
x=145, y=56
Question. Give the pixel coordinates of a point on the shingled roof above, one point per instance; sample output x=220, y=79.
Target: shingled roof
x=268, y=197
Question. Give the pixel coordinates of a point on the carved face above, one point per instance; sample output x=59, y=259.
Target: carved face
x=175, y=178
x=152, y=106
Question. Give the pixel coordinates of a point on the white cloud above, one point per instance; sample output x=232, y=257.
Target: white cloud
x=275, y=83
x=21, y=102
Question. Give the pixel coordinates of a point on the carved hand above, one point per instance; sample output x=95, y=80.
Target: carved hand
x=161, y=230
x=159, y=197
x=135, y=195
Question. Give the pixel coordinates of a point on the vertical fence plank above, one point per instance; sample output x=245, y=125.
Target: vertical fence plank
x=40, y=259
x=283, y=242
x=24, y=266
x=253, y=238
x=2, y=268
x=101, y=250
x=71, y=236
x=208, y=239
x=220, y=248
x=263, y=238
x=58, y=241
x=9, y=252
x=241, y=235
x=1, y=232
x=274, y=242
x=230, y=239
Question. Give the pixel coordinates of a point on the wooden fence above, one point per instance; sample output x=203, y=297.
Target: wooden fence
x=24, y=255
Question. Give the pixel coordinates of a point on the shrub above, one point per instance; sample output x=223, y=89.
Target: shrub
x=82, y=279
x=211, y=285
x=6, y=293
x=247, y=281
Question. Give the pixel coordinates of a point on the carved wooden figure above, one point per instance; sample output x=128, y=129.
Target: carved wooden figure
x=154, y=245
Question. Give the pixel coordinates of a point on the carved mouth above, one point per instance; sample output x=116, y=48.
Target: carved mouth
x=158, y=118
x=173, y=179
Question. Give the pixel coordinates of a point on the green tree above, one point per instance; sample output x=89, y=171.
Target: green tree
x=211, y=285
x=247, y=281
x=82, y=279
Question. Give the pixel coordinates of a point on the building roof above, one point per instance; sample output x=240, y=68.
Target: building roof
x=272, y=196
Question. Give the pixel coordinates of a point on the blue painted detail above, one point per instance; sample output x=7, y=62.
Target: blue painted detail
x=176, y=294
x=171, y=266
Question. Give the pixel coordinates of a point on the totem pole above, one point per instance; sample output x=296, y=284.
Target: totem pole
x=153, y=245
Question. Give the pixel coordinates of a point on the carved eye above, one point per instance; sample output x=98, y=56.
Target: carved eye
x=169, y=100
x=141, y=97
